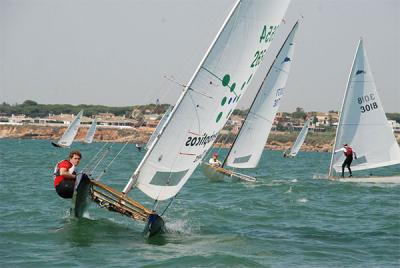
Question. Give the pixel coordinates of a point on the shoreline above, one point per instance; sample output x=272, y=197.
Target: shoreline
x=277, y=141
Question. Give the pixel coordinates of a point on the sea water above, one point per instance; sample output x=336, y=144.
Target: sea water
x=291, y=217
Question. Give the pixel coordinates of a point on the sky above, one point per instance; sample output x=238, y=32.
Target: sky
x=129, y=52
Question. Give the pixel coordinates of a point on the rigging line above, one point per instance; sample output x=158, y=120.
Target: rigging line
x=224, y=141
x=94, y=158
x=99, y=157
x=169, y=204
x=196, y=111
x=105, y=153
x=105, y=169
x=156, y=202
x=204, y=68
x=189, y=88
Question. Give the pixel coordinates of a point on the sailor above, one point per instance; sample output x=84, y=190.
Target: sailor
x=214, y=160
x=65, y=175
x=286, y=154
x=348, y=153
x=138, y=147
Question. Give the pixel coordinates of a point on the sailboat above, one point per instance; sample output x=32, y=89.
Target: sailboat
x=90, y=134
x=69, y=135
x=363, y=124
x=200, y=113
x=300, y=140
x=249, y=143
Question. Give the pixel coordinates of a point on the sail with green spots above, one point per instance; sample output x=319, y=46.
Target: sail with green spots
x=209, y=98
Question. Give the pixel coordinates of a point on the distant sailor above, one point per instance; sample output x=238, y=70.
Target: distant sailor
x=214, y=161
x=286, y=153
x=65, y=175
x=348, y=153
x=138, y=147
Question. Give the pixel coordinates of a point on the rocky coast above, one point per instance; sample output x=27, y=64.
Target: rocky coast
x=317, y=142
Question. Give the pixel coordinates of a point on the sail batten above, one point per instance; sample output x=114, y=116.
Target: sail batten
x=363, y=123
x=249, y=144
x=209, y=98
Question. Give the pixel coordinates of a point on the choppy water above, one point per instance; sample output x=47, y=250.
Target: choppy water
x=289, y=218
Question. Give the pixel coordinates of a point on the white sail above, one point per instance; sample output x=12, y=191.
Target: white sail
x=300, y=139
x=158, y=128
x=363, y=124
x=69, y=135
x=249, y=144
x=90, y=134
x=209, y=98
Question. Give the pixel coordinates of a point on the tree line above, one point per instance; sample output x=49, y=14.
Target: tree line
x=33, y=109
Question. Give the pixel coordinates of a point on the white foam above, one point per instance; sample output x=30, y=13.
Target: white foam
x=302, y=200
x=289, y=191
x=179, y=226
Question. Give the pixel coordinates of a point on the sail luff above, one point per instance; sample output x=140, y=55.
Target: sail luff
x=339, y=126
x=258, y=92
x=131, y=181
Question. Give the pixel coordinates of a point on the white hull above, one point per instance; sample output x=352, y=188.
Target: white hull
x=366, y=179
x=219, y=174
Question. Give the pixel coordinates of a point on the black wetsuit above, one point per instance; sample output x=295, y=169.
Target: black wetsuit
x=347, y=162
x=66, y=188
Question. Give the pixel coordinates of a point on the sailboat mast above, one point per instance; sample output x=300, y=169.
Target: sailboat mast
x=341, y=111
x=131, y=181
x=258, y=92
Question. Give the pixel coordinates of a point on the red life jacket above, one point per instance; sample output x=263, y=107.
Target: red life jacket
x=349, y=151
x=57, y=176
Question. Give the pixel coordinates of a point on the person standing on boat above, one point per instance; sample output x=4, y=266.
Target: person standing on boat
x=65, y=175
x=348, y=153
x=214, y=161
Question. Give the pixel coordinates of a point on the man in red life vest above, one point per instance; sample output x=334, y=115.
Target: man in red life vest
x=348, y=153
x=65, y=175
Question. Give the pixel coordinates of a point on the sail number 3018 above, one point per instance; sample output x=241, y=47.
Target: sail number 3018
x=368, y=101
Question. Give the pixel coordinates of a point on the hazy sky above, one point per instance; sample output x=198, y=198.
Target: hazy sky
x=117, y=52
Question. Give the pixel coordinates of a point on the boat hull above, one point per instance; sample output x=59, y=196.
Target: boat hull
x=80, y=199
x=55, y=144
x=367, y=179
x=155, y=225
x=212, y=173
x=219, y=174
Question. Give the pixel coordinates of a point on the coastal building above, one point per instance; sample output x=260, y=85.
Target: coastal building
x=395, y=126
